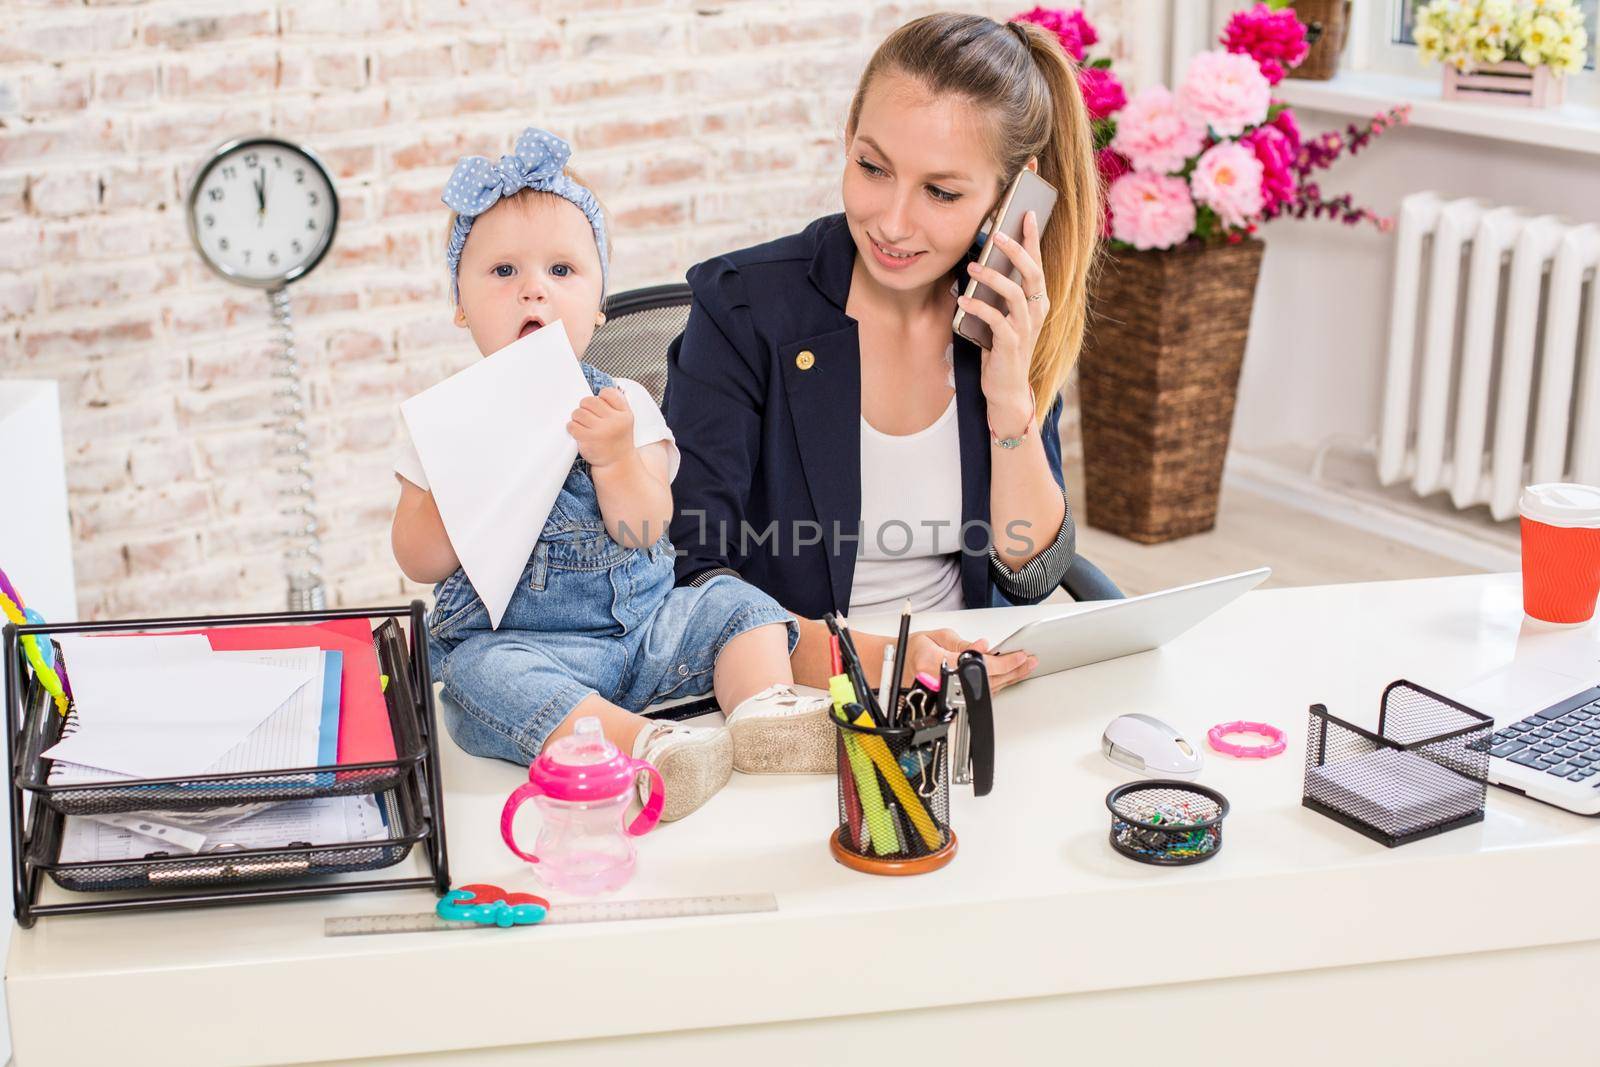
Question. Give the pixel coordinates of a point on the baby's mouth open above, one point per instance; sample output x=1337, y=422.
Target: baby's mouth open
x=529, y=325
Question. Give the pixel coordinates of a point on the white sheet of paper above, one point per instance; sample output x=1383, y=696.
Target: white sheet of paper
x=170, y=719
x=494, y=444
x=323, y=821
x=286, y=738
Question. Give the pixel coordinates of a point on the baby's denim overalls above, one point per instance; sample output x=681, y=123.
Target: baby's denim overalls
x=588, y=616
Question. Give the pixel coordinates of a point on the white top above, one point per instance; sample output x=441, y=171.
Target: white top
x=1035, y=903
x=910, y=519
x=648, y=428
x=1562, y=504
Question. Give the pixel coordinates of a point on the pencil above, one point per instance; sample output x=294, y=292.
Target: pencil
x=890, y=707
x=900, y=653
x=858, y=673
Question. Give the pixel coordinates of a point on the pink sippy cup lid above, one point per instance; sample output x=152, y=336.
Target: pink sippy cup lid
x=584, y=766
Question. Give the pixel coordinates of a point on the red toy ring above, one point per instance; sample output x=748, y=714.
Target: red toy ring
x=1275, y=739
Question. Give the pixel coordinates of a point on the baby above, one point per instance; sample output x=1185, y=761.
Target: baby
x=595, y=626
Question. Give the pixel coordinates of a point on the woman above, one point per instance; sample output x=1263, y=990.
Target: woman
x=842, y=449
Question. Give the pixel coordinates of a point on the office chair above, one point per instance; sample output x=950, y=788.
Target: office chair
x=632, y=343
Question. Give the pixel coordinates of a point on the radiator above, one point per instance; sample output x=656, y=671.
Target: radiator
x=1493, y=378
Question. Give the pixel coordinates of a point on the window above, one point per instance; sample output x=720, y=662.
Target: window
x=1405, y=18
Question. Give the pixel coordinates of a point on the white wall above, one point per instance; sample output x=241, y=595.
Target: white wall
x=1315, y=362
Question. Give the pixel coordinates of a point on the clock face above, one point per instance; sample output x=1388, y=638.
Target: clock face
x=262, y=212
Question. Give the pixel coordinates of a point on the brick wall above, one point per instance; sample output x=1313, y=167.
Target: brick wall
x=704, y=126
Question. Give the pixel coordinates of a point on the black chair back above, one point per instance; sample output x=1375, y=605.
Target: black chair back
x=640, y=324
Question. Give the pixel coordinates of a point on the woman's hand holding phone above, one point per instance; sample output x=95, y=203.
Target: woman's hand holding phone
x=1016, y=330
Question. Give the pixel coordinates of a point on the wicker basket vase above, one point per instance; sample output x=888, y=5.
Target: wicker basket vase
x=1327, y=24
x=1157, y=383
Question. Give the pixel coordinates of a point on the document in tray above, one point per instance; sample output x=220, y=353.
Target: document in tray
x=494, y=444
x=162, y=718
x=323, y=821
x=303, y=732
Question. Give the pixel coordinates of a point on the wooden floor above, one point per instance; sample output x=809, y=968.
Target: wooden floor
x=1300, y=547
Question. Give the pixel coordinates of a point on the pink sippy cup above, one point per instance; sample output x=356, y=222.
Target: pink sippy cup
x=582, y=785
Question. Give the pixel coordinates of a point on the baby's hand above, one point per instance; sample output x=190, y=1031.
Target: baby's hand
x=603, y=427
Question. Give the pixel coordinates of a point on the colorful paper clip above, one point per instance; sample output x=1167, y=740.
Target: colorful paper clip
x=489, y=905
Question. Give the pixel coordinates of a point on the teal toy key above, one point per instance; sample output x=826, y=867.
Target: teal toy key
x=489, y=905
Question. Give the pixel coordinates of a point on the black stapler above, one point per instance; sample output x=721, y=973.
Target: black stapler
x=972, y=735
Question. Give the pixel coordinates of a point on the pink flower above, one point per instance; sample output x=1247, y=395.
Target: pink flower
x=1284, y=122
x=1070, y=27
x=1111, y=167
x=1102, y=92
x=1274, y=39
x=1224, y=91
x=1150, y=210
x=1228, y=180
x=1154, y=134
x=1276, y=157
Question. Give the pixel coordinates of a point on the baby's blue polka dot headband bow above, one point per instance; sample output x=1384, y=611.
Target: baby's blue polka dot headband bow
x=477, y=184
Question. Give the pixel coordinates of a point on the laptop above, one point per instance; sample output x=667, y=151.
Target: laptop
x=1113, y=628
x=1553, y=755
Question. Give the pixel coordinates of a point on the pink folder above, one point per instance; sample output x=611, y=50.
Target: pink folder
x=365, y=735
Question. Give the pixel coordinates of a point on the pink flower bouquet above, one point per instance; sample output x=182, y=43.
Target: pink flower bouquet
x=1211, y=161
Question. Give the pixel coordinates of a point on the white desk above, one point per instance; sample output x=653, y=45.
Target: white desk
x=1300, y=942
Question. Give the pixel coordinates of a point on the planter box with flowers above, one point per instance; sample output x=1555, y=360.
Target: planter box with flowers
x=1508, y=52
x=1190, y=175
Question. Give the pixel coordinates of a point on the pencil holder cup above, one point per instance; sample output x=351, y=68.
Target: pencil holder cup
x=1424, y=771
x=894, y=796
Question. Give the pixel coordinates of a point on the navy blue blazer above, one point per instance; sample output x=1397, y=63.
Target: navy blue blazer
x=770, y=481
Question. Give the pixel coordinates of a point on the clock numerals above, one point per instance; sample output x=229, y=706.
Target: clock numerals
x=248, y=230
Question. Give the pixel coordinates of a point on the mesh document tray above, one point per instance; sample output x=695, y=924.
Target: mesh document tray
x=231, y=866
x=406, y=707
x=1424, y=771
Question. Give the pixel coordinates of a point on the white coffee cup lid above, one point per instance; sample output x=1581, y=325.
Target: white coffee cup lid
x=1562, y=504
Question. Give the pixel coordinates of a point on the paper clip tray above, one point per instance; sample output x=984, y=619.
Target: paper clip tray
x=43, y=726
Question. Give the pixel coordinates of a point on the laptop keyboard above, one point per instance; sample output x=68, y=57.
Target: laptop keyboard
x=1565, y=744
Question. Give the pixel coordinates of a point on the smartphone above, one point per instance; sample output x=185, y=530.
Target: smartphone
x=1028, y=193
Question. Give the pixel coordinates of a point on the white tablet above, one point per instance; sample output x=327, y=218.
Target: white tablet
x=1113, y=628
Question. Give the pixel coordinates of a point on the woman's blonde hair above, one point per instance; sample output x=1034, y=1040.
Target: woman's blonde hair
x=1018, y=73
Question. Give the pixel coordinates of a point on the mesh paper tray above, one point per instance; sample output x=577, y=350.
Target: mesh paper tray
x=227, y=866
x=1423, y=772
x=43, y=728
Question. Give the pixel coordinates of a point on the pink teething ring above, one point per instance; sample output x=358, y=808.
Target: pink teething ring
x=1275, y=739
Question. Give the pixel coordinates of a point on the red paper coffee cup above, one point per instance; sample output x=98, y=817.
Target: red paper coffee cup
x=1560, y=551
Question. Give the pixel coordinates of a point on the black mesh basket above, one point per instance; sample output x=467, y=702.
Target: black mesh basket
x=1166, y=823
x=228, y=865
x=894, y=797
x=1425, y=770
x=43, y=727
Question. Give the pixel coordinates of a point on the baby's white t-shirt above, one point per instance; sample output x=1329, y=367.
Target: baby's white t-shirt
x=648, y=428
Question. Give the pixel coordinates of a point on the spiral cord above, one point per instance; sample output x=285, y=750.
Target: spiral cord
x=303, y=550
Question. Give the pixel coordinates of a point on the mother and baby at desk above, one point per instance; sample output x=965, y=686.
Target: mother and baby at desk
x=817, y=386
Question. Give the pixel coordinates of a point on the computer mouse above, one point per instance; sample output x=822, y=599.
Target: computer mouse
x=1145, y=744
